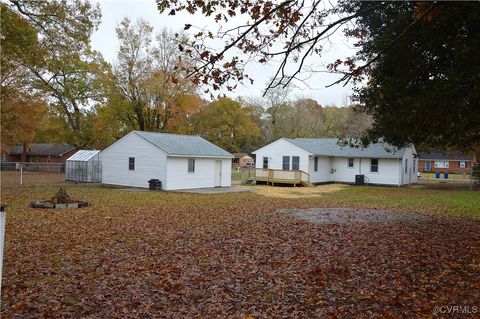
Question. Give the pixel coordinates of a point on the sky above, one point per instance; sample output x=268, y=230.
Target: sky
x=113, y=11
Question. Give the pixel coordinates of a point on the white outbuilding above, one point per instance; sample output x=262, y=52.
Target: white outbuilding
x=84, y=166
x=324, y=160
x=178, y=161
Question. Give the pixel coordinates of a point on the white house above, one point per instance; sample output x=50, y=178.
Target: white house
x=178, y=161
x=327, y=161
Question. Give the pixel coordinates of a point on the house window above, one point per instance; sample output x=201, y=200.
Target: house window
x=265, y=162
x=286, y=163
x=191, y=165
x=131, y=163
x=350, y=162
x=315, y=163
x=295, y=163
x=462, y=164
x=406, y=166
x=441, y=164
x=374, y=165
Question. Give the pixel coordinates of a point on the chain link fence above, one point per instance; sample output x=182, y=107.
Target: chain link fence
x=31, y=174
x=447, y=180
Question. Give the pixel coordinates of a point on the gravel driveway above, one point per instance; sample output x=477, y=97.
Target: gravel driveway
x=349, y=215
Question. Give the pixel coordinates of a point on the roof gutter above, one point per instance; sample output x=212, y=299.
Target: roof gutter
x=199, y=156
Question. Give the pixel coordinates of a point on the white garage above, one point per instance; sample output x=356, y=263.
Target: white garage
x=178, y=161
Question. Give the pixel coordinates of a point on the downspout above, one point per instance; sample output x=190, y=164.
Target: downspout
x=400, y=177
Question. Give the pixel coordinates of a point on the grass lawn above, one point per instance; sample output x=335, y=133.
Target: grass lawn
x=158, y=254
x=236, y=176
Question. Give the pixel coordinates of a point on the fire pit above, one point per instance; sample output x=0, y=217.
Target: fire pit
x=60, y=200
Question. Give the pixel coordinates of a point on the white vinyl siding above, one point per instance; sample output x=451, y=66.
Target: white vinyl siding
x=152, y=162
x=275, y=152
x=322, y=174
x=203, y=176
x=149, y=162
x=336, y=169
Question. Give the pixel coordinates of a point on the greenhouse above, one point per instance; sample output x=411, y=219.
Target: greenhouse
x=84, y=166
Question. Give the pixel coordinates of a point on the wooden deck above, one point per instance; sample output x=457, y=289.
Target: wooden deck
x=276, y=176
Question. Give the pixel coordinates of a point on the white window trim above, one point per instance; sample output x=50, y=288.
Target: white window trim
x=188, y=166
x=133, y=164
x=348, y=163
x=291, y=165
x=378, y=166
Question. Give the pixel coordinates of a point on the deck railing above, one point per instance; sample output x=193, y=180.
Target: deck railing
x=276, y=176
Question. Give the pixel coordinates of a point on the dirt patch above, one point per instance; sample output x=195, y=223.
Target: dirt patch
x=349, y=215
x=296, y=192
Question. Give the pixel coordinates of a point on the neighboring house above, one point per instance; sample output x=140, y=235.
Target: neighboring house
x=447, y=162
x=326, y=161
x=178, y=161
x=46, y=153
x=246, y=161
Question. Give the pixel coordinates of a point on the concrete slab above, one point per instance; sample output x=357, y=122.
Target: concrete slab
x=213, y=190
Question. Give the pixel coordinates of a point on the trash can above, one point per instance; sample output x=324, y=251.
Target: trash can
x=154, y=184
x=359, y=179
x=445, y=175
x=437, y=175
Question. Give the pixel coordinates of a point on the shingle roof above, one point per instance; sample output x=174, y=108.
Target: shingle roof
x=83, y=155
x=42, y=149
x=444, y=156
x=189, y=145
x=330, y=147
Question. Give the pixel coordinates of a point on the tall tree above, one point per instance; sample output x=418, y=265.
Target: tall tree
x=62, y=66
x=229, y=125
x=148, y=77
x=21, y=109
x=439, y=40
x=433, y=99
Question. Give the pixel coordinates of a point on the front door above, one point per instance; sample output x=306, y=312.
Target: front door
x=218, y=173
x=427, y=166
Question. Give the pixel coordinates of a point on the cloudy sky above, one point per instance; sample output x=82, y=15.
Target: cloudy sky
x=113, y=11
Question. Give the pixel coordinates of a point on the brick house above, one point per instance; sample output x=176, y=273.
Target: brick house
x=44, y=153
x=241, y=159
x=446, y=162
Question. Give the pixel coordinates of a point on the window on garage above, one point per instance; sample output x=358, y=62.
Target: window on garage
x=374, y=165
x=131, y=163
x=191, y=165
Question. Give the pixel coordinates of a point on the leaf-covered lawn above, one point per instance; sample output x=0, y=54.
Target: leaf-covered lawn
x=157, y=254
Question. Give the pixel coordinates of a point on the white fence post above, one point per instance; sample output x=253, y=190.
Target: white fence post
x=2, y=242
x=21, y=174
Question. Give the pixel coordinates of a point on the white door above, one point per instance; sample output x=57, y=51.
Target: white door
x=218, y=173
